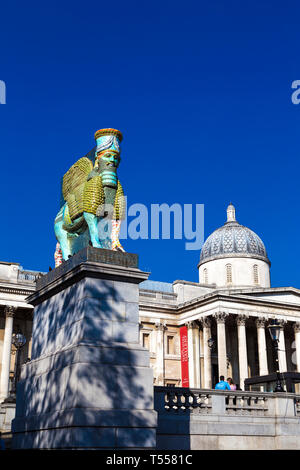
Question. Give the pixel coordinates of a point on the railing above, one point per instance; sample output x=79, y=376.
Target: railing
x=297, y=406
x=177, y=400
x=245, y=404
x=31, y=276
x=158, y=296
x=183, y=399
x=212, y=419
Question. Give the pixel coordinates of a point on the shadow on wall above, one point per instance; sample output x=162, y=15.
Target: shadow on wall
x=89, y=383
x=174, y=417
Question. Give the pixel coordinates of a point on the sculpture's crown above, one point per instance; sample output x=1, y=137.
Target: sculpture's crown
x=109, y=131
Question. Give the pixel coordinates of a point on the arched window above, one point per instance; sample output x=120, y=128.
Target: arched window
x=228, y=273
x=205, y=276
x=255, y=274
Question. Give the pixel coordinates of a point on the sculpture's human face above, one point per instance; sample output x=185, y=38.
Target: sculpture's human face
x=108, y=159
x=108, y=162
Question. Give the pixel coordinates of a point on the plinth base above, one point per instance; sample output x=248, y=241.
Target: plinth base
x=89, y=384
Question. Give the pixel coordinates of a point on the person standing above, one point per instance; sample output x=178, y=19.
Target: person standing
x=2, y=443
x=231, y=384
x=222, y=385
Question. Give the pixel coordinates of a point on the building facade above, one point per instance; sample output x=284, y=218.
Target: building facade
x=219, y=325
x=226, y=314
x=16, y=316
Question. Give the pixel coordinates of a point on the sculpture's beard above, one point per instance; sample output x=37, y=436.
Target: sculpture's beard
x=109, y=176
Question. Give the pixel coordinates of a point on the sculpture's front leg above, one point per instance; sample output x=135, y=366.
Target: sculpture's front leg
x=115, y=242
x=92, y=222
x=58, y=257
x=61, y=234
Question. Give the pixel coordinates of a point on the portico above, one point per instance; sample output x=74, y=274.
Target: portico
x=242, y=348
x=236, y=324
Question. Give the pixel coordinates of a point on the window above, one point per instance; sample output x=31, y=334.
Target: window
x=170, y=345
x=146, y=340
x=255, y=274
x=228, y=273
x=205, y=276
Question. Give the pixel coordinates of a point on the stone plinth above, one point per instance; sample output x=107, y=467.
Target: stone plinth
x=89, y=383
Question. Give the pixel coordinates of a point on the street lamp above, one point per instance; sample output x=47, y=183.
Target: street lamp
x=18, y=340
x=210, y=343
x=274, y=330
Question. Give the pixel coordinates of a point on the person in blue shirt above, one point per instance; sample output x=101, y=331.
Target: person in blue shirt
x=2, y=443
x=222, y=385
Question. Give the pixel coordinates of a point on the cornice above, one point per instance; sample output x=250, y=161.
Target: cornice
x=16, y=290
x=160, y=308
x=209, y=298
x=233, y=255
x=266, y=290
x=71, y=273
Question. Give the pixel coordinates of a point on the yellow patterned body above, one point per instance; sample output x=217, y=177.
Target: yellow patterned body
x=86, y=196
x=93, y=195
x=73, y=186
x=120, y=204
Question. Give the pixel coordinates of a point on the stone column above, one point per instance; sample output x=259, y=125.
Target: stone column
x=242, y=348
x=197, y=355
x=221, y=333
x=296, y=327
x=160, y=353
x=281, y=348
x=201, y=356
x=206, y=322
x=262, y=348
x=6, y=352
x=193, y=351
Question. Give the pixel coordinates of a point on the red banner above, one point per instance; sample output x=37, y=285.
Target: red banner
x=184, y=357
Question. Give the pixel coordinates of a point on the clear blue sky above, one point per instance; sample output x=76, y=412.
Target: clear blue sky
x=200, y=90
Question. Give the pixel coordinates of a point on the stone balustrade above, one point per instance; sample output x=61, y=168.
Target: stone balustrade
x=183, y=399
x=210, y=419
x=31, y=276
x=197, y=401
x=297, y=404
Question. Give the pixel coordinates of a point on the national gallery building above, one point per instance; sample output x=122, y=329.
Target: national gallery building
x=195, y=332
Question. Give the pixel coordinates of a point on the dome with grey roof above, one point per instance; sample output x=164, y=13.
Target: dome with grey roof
x=233, y=240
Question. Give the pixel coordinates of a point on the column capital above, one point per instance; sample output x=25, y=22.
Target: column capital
x=241, y=319
x=10, y=311
x=220, y=316
x=161, y=326
x=261, y=322
x=192, y=324
x=281, y=321
x=206, y=322
x=296, y=327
